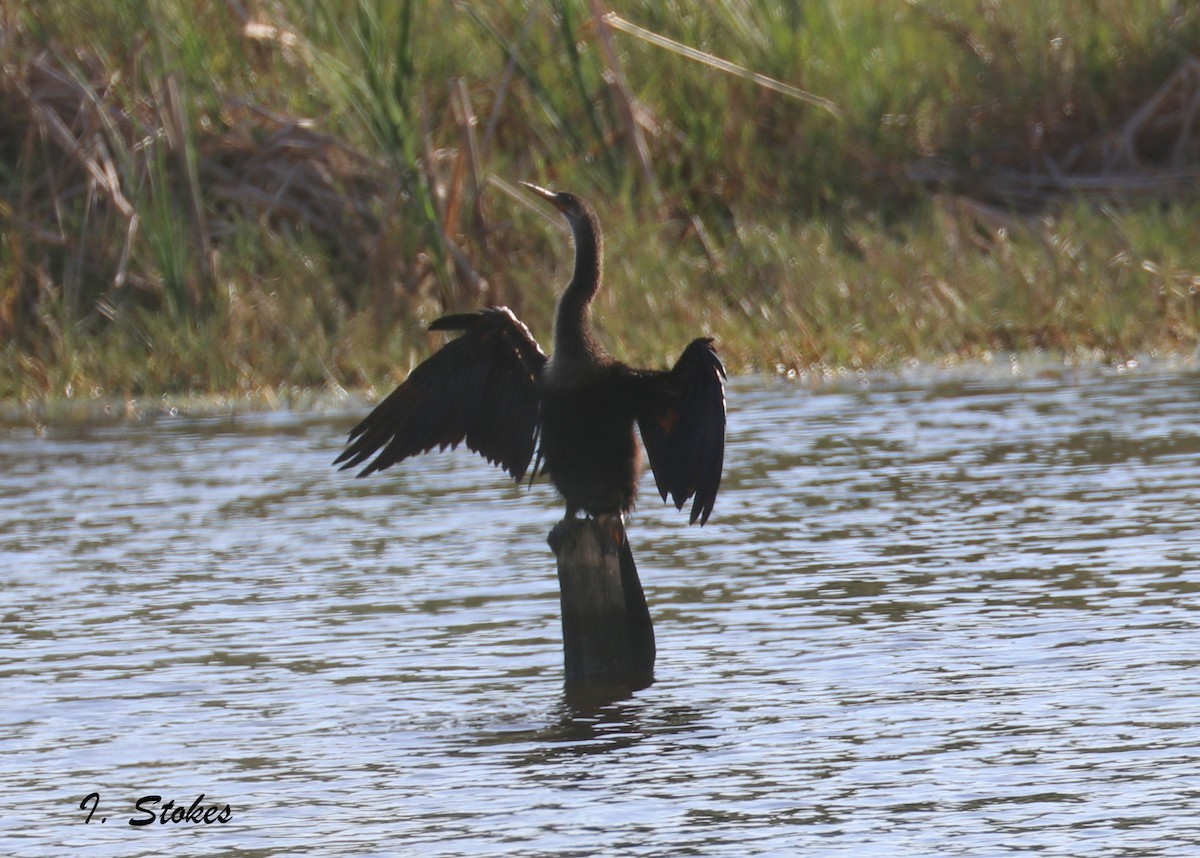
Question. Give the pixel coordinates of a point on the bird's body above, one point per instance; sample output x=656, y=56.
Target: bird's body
x=588, y=445
x=494, y=388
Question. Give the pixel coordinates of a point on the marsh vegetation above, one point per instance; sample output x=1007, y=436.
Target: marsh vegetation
x=246, y=196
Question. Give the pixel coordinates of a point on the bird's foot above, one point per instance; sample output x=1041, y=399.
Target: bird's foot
x=612, y=532
x=610, y=526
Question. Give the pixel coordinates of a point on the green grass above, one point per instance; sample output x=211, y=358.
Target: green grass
x=193, y=203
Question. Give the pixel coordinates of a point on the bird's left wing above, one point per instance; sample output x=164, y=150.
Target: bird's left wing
x=480, y=388
x=681, y=415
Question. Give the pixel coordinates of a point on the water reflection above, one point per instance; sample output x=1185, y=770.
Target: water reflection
x=593, y=725
x=948, y=616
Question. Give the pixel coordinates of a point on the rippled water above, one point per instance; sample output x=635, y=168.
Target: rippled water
x=946, y=618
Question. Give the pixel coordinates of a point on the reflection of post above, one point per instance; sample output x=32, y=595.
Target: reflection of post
x=607, y=635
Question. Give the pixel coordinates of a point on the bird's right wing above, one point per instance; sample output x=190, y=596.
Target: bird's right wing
x=481, y=388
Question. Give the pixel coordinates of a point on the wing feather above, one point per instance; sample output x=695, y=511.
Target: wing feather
x=681, y=415
x=480, y=388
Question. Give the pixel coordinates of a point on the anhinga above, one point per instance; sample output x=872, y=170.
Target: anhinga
x=494, y=388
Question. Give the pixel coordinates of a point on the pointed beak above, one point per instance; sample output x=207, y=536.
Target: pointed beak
x=547, y=195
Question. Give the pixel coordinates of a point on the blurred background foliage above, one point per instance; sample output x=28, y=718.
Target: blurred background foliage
x=201, y=196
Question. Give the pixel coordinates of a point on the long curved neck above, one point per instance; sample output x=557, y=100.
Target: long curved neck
x=575, y=345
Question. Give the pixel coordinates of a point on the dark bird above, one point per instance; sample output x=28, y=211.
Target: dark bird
x=494, y=388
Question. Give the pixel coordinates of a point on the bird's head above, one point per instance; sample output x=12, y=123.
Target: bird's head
x=572, y=207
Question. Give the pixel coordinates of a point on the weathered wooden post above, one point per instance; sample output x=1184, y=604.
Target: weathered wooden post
x=608, y=639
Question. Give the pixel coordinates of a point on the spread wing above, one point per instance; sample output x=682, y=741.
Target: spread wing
x=481, y=388
x=681, y=414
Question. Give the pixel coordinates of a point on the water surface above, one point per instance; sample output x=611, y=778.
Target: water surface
x=935, y=617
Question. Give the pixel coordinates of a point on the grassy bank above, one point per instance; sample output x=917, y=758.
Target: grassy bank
x=236, y=197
